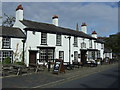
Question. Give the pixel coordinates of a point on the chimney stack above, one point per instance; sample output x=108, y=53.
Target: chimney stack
x=94, y=34
x=55, y=20
x=84, y=28
x=19, y=13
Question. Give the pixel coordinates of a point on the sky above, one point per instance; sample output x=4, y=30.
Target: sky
x=99, y=16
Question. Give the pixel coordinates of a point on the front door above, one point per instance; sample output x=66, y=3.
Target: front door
x=46, y=54
x=32, y=57
x=83, y=56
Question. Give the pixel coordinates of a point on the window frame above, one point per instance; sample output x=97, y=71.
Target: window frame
x=5, y=54
x=6, y=44
x=83, y=45
x=43, y=38
x=90, y=44
x=75, y=41
x=75, y=55
x=63, y=54
x=58, y=40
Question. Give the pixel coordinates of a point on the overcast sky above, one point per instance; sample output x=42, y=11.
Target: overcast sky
x=100, y=16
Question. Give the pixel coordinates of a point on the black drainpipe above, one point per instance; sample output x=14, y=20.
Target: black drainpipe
x=69, y=50
x=23, y=50
x=24, y=40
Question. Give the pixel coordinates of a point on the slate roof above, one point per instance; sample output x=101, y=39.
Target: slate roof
x=50, y=28
x=11, y=32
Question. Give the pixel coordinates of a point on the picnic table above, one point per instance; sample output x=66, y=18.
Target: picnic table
x=13, y=68
x=37, y=67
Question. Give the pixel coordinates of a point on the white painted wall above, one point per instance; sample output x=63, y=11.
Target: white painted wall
x=55, y=21
x=94, y=35
x=19, y=15
x=0, y=43
x=17, y=47
x=84, y=29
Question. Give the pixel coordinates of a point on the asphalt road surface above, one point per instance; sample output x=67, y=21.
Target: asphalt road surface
x=105, y=79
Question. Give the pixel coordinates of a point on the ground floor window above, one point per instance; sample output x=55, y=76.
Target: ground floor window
x=75, y=56
x=46, y=55
x=61, y=55
x=5, y=54
x=98, y=54
x=91, y=55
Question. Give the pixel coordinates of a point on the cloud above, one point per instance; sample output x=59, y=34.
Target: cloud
x=102, y=17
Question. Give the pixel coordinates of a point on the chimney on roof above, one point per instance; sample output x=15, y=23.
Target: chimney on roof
x=94, y=34
x=55, y=20
x=19, y=13
x=84, y=28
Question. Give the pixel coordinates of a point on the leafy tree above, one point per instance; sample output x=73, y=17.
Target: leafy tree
x=9, y=20
x=113, y=42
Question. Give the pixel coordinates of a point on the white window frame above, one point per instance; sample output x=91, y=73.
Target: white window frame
x=6, y=43
x=58, y=40
x=44, y=38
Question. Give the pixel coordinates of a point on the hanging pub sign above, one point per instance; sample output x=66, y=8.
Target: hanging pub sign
x=58, y=66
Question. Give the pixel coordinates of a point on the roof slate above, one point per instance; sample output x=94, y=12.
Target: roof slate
x=50, y=28
x=11, y=32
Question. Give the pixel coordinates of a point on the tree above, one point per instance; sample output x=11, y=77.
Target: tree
x=9, y=20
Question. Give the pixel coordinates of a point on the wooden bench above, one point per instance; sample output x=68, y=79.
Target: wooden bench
x=12, y=68
x=37, y=67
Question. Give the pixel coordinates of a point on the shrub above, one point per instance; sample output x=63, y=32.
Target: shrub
x=19, y=63
x=7, y=60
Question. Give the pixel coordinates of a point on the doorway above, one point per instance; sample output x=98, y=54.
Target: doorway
x=83, y=56
x=32, y=57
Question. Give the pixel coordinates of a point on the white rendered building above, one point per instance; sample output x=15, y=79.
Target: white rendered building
x=46, y=42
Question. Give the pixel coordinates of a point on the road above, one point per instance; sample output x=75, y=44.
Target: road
x=105, y=79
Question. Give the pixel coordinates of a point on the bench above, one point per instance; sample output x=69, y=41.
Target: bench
x=13, y=68
x=37, y=67
x=68, y=66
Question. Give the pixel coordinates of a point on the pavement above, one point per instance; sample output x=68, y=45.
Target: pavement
x=44, y=79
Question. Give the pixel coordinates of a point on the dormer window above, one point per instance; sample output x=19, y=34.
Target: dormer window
x=43, y=38
x=6, y=43
x=75, y=42
x=58, y=39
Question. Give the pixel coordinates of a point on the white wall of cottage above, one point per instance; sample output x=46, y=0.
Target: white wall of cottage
x=17, y=47
x=0, y=43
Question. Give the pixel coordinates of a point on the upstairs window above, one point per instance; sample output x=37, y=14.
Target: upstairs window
x=95, y=44
x=43, y=38
x=75, y=42
x=83, y=45
x=58, y=40
x=90, y=43
x=6, y=43
x=102, y=46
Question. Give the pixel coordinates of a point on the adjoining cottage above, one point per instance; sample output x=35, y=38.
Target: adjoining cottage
x=11, y=43
x=45, y=42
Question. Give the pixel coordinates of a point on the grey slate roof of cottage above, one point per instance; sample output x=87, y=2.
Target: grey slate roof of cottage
x=11, y=32
x=50, y=28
